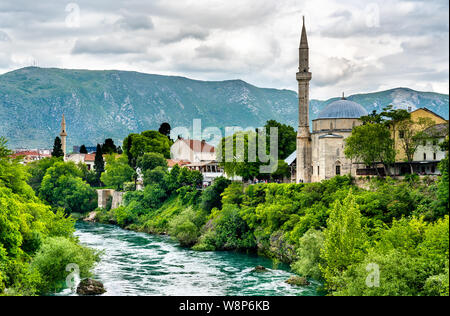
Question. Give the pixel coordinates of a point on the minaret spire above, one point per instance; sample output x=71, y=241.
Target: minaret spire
x=63, y=134
x=304, y=154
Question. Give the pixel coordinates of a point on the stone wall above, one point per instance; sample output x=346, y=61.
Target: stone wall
x=106, y=194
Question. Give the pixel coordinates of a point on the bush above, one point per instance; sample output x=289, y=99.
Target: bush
x=183, y=229
x=53, y=257
x=211, y=196
x=308, y=253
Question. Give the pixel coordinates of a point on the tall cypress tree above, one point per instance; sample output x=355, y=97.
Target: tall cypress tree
x=57, y=148
x=99, y=163
x=83, y=149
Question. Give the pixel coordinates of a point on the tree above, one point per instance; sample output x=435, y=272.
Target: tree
x=287, y=138
x=413, y=134
x=99, y=163
x=117, y=172
x=150, y=161
x=63, y=186
x=238, y=163
x=371, y=143
x=109, y=147
x=211, y=196
x=165, y=129
x=395, y=117
x=83, y=149
x=136, y=145
x=57, y=148
x=37, y=170
x=345, y=240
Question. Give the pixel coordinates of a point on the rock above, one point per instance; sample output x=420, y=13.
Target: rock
x=90, y=287
x=90, y=217
x=260, y=269
x=297, y=280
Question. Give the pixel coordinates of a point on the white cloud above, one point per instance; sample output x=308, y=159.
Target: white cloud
x=355, y=46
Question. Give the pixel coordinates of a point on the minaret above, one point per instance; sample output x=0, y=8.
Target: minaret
x=304, y=154
x=63, y=135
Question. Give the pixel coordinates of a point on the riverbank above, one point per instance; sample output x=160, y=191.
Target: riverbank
x=141, y=264
x=325, y=231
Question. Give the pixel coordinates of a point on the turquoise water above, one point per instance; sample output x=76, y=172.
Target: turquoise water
x=141, y=264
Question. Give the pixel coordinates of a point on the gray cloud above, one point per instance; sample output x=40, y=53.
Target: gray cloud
x=105, y=46
x=135, y=22
x=253, y=40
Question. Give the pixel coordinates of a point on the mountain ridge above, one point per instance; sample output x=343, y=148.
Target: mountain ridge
x=101, y=104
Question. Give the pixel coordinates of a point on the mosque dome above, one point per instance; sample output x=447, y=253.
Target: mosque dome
x=342, y=108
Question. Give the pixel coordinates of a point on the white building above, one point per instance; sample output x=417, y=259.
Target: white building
x=87, y=159
x=192, y=150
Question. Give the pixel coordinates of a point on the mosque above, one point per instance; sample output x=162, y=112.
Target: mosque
x=320, y=153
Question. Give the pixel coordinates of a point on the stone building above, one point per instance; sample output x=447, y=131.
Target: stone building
x=333, y=125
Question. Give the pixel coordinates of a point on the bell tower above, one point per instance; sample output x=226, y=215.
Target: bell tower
x=304, y=154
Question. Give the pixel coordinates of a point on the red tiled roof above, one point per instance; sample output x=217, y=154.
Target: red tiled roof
x=181, y=163
x=196, y=145
x=89, y=157
x=29, y=153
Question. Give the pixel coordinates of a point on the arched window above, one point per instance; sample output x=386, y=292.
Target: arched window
x=338, y=168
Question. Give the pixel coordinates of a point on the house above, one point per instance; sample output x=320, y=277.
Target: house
x=28, y=156
x=87, y=159
x=192, y=150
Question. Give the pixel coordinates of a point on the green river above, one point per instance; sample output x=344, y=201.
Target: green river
x=141, y=264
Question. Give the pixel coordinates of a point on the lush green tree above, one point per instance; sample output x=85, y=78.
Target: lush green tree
x=83, y=149
x=287, y=138
x=309, y=254
x=37, y=171
x=99, y=163
x=283, y=171
x=109, y=147
x=55, y=255
x=57, y=148
x=183, y=229
x=239, y=162
x=345, y=240
x=25, y=225
x=117, y=172
x=63, y=186
x=413, y=134
x=211, y=196
x=150, y=161
x=90, y=176
x=155, y=175
x=370, y=144
x=441, y=206
x=136, y=145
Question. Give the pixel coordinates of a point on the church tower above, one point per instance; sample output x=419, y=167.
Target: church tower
x=304, y=154
x=63, y=135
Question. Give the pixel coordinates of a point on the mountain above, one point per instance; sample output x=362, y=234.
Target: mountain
x=112, y=104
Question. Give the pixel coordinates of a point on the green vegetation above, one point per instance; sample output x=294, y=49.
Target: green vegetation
x=35, y=240
x=331, y=231
x=136, y=145
x=117, y=172
x=57, y=148
x=62, y=186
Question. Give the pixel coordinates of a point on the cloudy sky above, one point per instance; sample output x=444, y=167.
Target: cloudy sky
x=356, y=46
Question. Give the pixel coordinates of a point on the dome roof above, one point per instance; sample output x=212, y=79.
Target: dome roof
x=342, y=109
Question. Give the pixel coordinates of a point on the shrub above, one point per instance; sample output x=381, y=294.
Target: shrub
x=53, y=257
x=308, y=253
x=183, y=229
